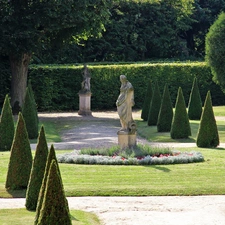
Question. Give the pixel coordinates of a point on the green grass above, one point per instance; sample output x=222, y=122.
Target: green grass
x=19, y=216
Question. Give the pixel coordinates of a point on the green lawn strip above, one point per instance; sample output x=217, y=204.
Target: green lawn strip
x=23, y=216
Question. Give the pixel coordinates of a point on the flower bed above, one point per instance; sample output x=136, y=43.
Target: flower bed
x=176, y=157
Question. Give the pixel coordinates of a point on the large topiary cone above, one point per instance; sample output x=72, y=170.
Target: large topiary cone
x=30, y=116
x=165, y=113
x=51, y=156
x=154, y=106
x=147, y=102
x=37, y=171
x=7, y=128
x=54, y=209
x=20, y=161
x=180, y=127
x=207, y=136
x=195, y=102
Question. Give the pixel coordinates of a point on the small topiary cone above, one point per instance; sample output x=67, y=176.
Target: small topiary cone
x=195, y=102
x=154, y=106
x=7, y=128
x=165, y=113
x=147, y=102
x=54, y=209
x=20, y=161
x=180, y=127
x=207, y=136
x=37, y=171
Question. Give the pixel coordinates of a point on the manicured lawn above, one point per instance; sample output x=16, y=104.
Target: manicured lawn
x=23, y=216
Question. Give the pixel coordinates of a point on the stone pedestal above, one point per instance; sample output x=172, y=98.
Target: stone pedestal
x=85, y=104
x=126, y=140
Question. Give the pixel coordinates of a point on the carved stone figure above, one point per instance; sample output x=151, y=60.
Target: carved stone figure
x=85, y=85
x=124, y=104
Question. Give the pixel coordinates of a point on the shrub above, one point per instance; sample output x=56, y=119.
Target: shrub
x=180, y=127
x=165, y=113
x=7, y=128
x=54, y=209
x=207, y=136
x=51, y=156
x=37, y=171
x=147, y=102
x=154, y=106
x=20, y=161
x=30, y=115
x=215, y=49
x=195, y=102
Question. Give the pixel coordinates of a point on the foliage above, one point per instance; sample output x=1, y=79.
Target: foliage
x=207, y=136
x=154, y=106
x=50, y=158
x=20, y=162
x=215, y=50
x=147, y=102
x=37, y=171
x=55, y=209
x=180, y=127
x=165, y=113
x=30, y=115
x=7, y=128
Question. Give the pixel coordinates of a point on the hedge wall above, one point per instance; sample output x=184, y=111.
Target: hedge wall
x=56, y=87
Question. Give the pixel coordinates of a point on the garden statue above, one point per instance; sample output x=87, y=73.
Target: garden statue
x=124, y=104
x=85, y=85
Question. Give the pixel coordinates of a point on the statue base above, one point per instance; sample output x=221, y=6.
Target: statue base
x=85, y=104
x=126, y=139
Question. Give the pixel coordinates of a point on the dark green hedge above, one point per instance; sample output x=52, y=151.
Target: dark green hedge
x=56, y=87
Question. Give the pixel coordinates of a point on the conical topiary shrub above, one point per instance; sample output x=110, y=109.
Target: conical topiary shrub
x=207, y=136
x=166, y=112
x=147, y=102
x=30, y=116
x=54, y=209
x=180, y=127
x=20, y=161
x=37, y=171
x=154, y=106
x=51, y=156
x=7, y=128
x=195, y=102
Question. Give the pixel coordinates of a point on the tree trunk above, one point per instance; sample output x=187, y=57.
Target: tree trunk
x=19, y=67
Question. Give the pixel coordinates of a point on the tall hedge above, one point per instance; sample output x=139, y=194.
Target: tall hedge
x=195, y=102
x=180, y=127
x=20, y=161
x=54, y=209
x=147, y=102
x=30, y=115
x=7, y=128
x=154, y=106
x=51, y=156
x=207, y=136
x=166, y=112
x=37, y=171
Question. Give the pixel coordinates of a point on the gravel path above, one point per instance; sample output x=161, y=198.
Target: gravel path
x=161, y=210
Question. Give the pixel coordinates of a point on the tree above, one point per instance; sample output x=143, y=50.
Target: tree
x=154, y=106
x=26, y=26
x=207, y=136
x=195, y=102
x=20, y=161
x=30, y=115
x=215, y=50
x=147, y=102
x=37, y=171
x=51, y=156
x=7, y=128
x=55, y=209
x=180, y=127
x=165, y=113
